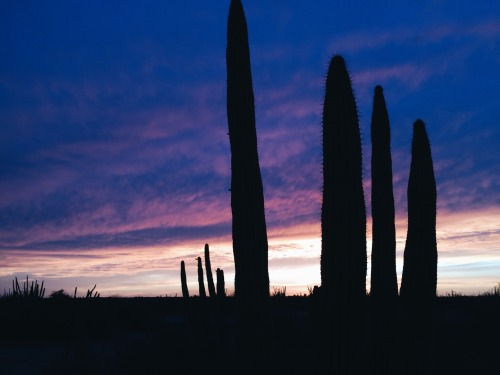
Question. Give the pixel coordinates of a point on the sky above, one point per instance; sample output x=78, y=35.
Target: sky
x=115, y=158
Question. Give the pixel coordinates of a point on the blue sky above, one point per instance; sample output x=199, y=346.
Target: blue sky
x=114, y=154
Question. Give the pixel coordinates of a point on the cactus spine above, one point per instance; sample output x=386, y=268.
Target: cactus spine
x=419, y=278
x=250, y=246
x=343, y=222
x=384, y=283
x=208, y=268
x=201, y=283
x=185, y=290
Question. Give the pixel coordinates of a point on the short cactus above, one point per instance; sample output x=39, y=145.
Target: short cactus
x=201, y=283
x=185, y=290
x=208, y=268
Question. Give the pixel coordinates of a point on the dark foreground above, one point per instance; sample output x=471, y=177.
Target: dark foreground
x=177, y=336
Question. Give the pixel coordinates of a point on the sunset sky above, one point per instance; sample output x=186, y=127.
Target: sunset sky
x=115, y=158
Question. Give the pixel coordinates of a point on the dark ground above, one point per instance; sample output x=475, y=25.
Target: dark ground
x=177, y=336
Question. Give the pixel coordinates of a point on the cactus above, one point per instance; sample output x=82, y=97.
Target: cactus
x=92, y=294
x=343, y=224
x=34, y=290
x=419, y=279
x=384, y=284
x=221, y=286
x=208, y=268
x=185, y=290
x=201, y=283
x=250, y=245
x=343, y=216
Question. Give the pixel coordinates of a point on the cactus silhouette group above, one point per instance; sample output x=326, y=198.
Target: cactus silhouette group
x=343, y=262
x=213, y=292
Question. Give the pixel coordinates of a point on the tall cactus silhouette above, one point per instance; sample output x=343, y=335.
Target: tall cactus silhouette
x=384, y=284
x=343, y=222
x=201, y=283
x=208, y=269
x=185, y=290
x=419, y=279
x=250, y=246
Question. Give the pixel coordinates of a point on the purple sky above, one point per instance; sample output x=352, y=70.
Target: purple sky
x=114, y=154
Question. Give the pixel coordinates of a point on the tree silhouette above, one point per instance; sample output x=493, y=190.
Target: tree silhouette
x=343, y=222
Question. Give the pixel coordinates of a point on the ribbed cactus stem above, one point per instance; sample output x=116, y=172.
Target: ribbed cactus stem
x=185, y=290
x=419, y=279
x=250, y=245
x=208, y=268
x=384, y=283
x=221, y=286
x=201, y=283
x=343, y=226
x=343, y=216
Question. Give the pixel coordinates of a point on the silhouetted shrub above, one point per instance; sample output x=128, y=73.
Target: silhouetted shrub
x=59, y=294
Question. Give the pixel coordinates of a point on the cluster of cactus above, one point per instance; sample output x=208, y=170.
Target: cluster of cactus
x=91, y=293
x=33, y=290
x=213, y=292
x=343, y=222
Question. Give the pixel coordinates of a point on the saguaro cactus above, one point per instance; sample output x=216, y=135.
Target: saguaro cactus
x=185, y=290
x=343, y=224
x=201, y=283
x=384, y=283
x=419, y=278
x=250, y=246
x=208, y=268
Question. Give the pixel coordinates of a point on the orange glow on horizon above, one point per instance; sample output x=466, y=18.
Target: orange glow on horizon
x=468, y=248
